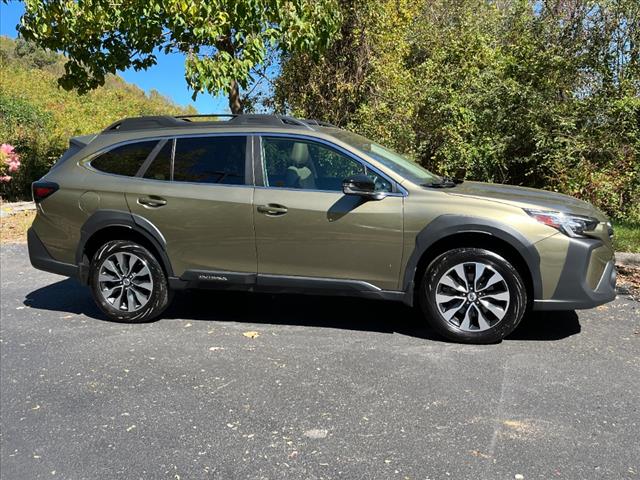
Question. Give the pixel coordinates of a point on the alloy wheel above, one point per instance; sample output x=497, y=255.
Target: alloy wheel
x=472, y=296
x=125, y=281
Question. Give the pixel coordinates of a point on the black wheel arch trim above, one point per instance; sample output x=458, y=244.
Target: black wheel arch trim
x=450, y=225
x=103, y=219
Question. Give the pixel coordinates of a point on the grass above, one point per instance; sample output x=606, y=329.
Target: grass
x=627, y=236
x=13, y=229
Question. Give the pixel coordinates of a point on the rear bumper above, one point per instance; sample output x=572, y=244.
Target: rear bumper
x=42, y=260
x=588, y=278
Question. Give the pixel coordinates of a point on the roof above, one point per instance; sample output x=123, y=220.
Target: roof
x=220, y=120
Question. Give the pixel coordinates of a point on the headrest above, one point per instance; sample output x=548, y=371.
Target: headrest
x=300, y=154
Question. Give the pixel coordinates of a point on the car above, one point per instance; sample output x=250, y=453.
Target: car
x=274, y=203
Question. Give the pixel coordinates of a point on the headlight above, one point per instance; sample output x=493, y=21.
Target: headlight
x=571, y=225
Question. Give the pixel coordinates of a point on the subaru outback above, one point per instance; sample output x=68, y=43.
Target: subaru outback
x=273, y=203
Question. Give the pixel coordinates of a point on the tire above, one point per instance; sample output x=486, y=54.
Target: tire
x=127, y=282
x=472, y=310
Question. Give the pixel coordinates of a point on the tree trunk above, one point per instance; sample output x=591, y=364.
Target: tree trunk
x=235, y=105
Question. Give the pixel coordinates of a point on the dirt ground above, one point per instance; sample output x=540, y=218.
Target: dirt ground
x=14, y=227
x=629, y=281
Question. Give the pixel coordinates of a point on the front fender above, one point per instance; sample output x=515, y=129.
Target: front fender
x=448, y=225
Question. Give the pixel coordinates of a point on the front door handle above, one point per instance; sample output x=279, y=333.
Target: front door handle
x=152, y=201
x=272, y=209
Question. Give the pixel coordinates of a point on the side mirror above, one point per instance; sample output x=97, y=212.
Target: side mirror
x=362, y=186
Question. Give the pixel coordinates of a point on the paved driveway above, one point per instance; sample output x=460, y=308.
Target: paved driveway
x=331, y=388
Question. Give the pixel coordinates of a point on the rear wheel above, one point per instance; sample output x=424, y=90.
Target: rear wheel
x=127, y=282
x=472, y=295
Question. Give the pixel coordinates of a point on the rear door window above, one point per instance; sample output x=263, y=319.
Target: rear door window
x=124, y=160
x=216, y=159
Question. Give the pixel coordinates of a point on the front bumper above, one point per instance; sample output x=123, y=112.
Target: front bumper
x=42, y=260
x=588, y=278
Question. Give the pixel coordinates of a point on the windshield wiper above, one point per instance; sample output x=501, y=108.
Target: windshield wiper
x=445, y=182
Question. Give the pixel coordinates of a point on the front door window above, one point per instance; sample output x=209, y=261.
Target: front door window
x=307, y=165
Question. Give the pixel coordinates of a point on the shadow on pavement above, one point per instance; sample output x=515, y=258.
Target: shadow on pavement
x=67, y=295
x=547, y=326
x=302, y=310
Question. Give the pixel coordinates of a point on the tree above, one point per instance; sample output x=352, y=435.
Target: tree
x=360, y=82
x=224, y=40
x=526, y=92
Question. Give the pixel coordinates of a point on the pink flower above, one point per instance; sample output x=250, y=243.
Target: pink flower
x=14, y=165
x=9, y=162
x=7, y=149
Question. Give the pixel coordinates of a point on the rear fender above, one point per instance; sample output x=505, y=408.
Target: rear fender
x=103, y=219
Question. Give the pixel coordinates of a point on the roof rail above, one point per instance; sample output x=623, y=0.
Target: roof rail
x=264, y=119
x=180, y=121
x=143, y=123
x=206, y=115
x=320, y=123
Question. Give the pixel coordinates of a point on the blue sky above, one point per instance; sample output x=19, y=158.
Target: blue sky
x=167, y=76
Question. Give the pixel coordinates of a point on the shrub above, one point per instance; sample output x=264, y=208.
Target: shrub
x=9, y=162
x=26, y=128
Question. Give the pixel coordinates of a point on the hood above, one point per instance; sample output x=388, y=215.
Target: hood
x=527, y=198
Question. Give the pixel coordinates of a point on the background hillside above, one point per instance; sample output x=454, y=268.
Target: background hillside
x=38, y=117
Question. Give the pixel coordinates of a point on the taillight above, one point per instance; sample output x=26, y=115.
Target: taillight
x=42, y=190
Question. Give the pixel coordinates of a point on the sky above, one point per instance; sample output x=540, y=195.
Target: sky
x=167, y=77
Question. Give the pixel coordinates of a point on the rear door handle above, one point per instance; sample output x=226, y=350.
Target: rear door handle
x=272, y=209
x=152, y=201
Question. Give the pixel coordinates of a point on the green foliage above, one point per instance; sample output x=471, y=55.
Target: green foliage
x=24, y=126
x=33, y=55
x=529, y=93
x=20, y=117
x=38, y=118
x=225, y=40
x=627, y=237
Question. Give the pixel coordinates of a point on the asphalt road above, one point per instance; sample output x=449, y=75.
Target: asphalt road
x=331, y=388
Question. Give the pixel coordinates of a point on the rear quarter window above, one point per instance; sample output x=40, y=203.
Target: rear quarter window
x=124, y=160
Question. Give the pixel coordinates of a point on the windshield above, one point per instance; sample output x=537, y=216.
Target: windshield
x=394, y=161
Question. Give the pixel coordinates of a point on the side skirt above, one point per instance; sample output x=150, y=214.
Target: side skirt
x=223, y=280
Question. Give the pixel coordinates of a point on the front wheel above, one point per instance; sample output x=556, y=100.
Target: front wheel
x=127, y=282
x=472, y=295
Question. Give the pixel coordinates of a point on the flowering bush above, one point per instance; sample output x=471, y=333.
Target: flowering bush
x=9, y=162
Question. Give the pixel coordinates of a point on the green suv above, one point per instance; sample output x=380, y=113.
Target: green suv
x=273, y=203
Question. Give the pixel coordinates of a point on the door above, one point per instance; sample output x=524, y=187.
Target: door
x=306, y=227
x=197, y=191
